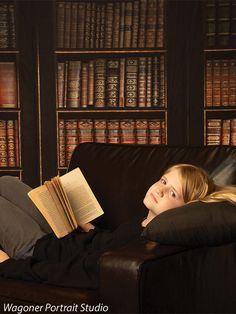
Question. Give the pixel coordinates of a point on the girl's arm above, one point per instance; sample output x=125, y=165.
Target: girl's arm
x=3, y=256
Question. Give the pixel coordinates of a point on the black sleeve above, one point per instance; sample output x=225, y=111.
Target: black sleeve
x=75, y=272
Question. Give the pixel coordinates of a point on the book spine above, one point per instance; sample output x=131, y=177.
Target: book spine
x=209, y=84
x=109, y=24
x=223, y=23
x=141, y=132
x=74, y=22
x=226, y=132
x=155, y=136
x=85, y=127
x=87, y=24
x=233, y=132
x=66, y=65
x=127, y=128
x=11, y=156
x=216, y=83
x=84, y=85
x=142, y=88
x=60, y=84
x=17, y=142
x=71, y=134
x=162, y=83
x=73, y=85
x=122, y=24
x=232, y=82
x=8, y=91
x=12, y=25
x=91, y=83
x=113, y=131
x=214, y=127
x=122, y=83
x=142, y=23
x=60, y=24
x=92, y=25
x=81, y=25
x=67, y=38
x=98, y=25
x=62, y=143
x=131, y=82
x=116, y=29
x=151, y=24
x=100, y=131
x=112, y=83
x=3, y=143
x=210, y=23
x=135, y=26
x=102, y=28
x=160, y=38
x=156, y=82
x=149, y=82
x=100, y=75
x=4, y=29
x=224, y=83
x=128, y=24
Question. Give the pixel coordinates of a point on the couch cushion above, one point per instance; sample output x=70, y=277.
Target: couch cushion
x=195, y=224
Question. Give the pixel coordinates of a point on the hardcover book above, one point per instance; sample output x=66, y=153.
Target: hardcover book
x=66, y=202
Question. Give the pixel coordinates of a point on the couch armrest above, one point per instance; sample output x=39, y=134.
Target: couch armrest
x=121, y=272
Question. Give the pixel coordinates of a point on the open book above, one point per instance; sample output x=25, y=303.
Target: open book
x=66, y=201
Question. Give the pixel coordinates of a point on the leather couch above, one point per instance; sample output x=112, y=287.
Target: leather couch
x=146, y=277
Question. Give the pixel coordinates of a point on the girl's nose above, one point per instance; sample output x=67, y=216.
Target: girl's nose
x=160, y=192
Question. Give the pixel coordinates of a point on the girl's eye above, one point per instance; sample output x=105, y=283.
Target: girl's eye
x=163, y=181
x=172, y=193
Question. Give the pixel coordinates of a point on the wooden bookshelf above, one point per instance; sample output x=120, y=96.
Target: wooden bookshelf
x=105, y=73
x=220, y=73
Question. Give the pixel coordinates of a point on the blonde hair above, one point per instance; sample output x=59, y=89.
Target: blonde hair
x=197, y=185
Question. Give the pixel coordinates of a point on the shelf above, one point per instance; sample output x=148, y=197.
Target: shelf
x=111, y=51
x=2, y=52
x=220, y=109
x=110, y=110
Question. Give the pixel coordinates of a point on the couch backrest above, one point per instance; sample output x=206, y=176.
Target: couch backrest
x=120, y=175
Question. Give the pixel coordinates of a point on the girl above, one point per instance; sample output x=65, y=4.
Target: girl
x=73, y=260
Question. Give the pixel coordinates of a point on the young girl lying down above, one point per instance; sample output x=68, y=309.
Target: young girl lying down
x=30, y=251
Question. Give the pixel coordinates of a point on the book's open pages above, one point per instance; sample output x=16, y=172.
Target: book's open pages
x=66, y=201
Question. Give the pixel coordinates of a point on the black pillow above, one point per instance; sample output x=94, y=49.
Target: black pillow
x=195, y=224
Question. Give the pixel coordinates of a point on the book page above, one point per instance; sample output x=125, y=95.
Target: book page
x=44, y=202
x=61, y=208
x=82, y=200
x=61, y=195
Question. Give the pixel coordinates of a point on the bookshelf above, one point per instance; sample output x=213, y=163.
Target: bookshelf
x=220, y=73
x=10, y=107
x=18, y=102
x=111, y=84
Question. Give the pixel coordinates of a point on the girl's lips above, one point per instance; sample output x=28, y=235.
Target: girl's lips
x=153, y=197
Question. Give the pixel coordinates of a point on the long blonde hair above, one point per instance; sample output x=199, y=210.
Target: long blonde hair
x=199, y=186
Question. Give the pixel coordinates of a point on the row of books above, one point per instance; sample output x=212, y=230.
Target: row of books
x=128, y=131
x=220, y=82
x=117, y=24
x=7, y=25
x=221, y=23
x=121, y=82
x=8, y=86
x=9, y=143
x=221, y=132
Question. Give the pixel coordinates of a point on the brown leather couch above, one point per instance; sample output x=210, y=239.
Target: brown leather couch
x=145, y=277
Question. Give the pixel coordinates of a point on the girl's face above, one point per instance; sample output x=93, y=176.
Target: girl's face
x=164, y=194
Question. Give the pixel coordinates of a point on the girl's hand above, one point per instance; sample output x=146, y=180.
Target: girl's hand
x=86, y=227
x=3, y=256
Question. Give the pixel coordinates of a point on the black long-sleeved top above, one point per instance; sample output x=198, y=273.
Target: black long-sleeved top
x=73, y=260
